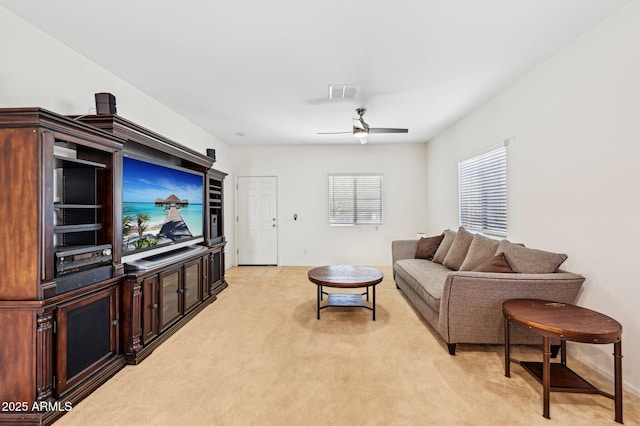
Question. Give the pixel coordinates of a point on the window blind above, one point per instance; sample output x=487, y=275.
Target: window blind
x=355, y=199
x=483, y=192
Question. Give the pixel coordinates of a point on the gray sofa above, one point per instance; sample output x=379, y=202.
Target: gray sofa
x=464, y=305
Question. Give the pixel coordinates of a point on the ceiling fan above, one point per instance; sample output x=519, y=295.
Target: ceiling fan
x=361, y=129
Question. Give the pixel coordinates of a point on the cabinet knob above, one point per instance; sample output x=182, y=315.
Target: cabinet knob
x=154, y=306
x=115, y=322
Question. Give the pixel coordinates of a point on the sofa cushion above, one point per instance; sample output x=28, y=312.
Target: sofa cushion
x=480, y=250
x=444, y=246
x=425, y=278
x=427, y=247
x=530, y=261
x=497, y=263
x=459, y=248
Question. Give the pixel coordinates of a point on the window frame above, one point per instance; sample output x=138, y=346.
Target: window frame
x=356, y=213
x=482, y=191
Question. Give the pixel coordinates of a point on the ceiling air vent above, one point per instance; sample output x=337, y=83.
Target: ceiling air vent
x=343, y=91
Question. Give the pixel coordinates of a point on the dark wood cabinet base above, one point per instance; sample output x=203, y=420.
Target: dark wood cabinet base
x=138, y=356
x=54, y=409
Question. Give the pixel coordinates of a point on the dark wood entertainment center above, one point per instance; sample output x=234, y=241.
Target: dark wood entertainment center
x=67, y=326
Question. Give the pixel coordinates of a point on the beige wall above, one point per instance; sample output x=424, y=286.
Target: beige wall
x=573, y=172
x=302, y=173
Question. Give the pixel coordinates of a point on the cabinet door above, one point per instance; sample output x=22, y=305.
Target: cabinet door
x=216, y=267
x=86, y=338
x=192, y=283
x=149, y=308
x=170, y=283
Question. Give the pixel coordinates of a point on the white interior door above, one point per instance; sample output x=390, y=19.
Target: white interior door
x=257, y=222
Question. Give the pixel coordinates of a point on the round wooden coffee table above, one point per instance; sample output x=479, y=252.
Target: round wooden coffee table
x=567, y=323
x=346, y=276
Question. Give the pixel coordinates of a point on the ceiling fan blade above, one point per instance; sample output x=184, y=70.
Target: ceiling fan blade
x=387, y=130
x=334, y=133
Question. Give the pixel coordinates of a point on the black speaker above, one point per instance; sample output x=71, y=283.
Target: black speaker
x=211, y=153
x=214, y=226
x=88, y=338
x=105, y=103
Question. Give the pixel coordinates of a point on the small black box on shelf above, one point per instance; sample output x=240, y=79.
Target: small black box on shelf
x=105, y=103
x=214, y=226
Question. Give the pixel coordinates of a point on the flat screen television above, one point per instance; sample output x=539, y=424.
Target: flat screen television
x=162, y=208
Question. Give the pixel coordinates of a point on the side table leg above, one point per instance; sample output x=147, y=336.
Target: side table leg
x=546, y=376
x=374, y=301
x=507, y=348
x=617, y=354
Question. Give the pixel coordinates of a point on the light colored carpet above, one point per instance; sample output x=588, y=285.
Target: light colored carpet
x=258, y=356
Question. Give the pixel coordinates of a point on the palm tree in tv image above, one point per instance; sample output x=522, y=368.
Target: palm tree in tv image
x=137, y=224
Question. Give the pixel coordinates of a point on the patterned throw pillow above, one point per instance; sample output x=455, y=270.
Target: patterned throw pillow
x=530, y=261
x=458, y=250
x=481, y=249
x=443, y=249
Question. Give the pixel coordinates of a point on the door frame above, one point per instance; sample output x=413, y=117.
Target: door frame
x=236, y=233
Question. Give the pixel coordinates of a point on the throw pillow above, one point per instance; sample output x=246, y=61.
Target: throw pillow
x=458, y=251
x=530, y=261
x=497, y=263
x=427, y=247
x=481, y=249
x=443, y=249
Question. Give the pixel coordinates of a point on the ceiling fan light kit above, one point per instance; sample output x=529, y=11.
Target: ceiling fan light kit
x=360, y=134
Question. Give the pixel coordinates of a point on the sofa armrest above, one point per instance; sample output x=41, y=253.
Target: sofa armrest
x=471, y=303
x=403, y=249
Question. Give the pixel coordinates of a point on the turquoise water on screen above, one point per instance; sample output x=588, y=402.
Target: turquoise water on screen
x=192, y=215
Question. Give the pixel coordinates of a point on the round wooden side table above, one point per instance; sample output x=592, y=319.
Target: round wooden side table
x=567, y=323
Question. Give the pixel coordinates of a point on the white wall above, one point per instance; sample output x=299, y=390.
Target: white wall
x=302, y=173
x=38, y=71
x=573, y=171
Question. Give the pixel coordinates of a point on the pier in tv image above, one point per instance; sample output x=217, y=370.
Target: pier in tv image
x=161, y=205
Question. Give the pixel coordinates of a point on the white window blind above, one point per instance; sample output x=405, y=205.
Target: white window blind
x=483, y=192
x=355, y=199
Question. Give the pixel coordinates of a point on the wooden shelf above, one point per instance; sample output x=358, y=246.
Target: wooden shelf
x=76, y=162
x=62, y=229
x=563, y=379
x=76, y=206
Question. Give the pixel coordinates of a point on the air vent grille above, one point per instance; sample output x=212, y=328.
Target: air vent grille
x=343, y=91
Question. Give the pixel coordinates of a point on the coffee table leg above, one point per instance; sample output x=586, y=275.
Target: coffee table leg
x=546, y=376
x=374, y=301
x=319, y=297
x=617, y=354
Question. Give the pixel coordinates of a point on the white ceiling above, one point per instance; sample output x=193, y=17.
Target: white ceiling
x=262, y=68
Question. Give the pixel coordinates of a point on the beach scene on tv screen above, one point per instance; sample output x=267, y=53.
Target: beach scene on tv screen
x=160, y=205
